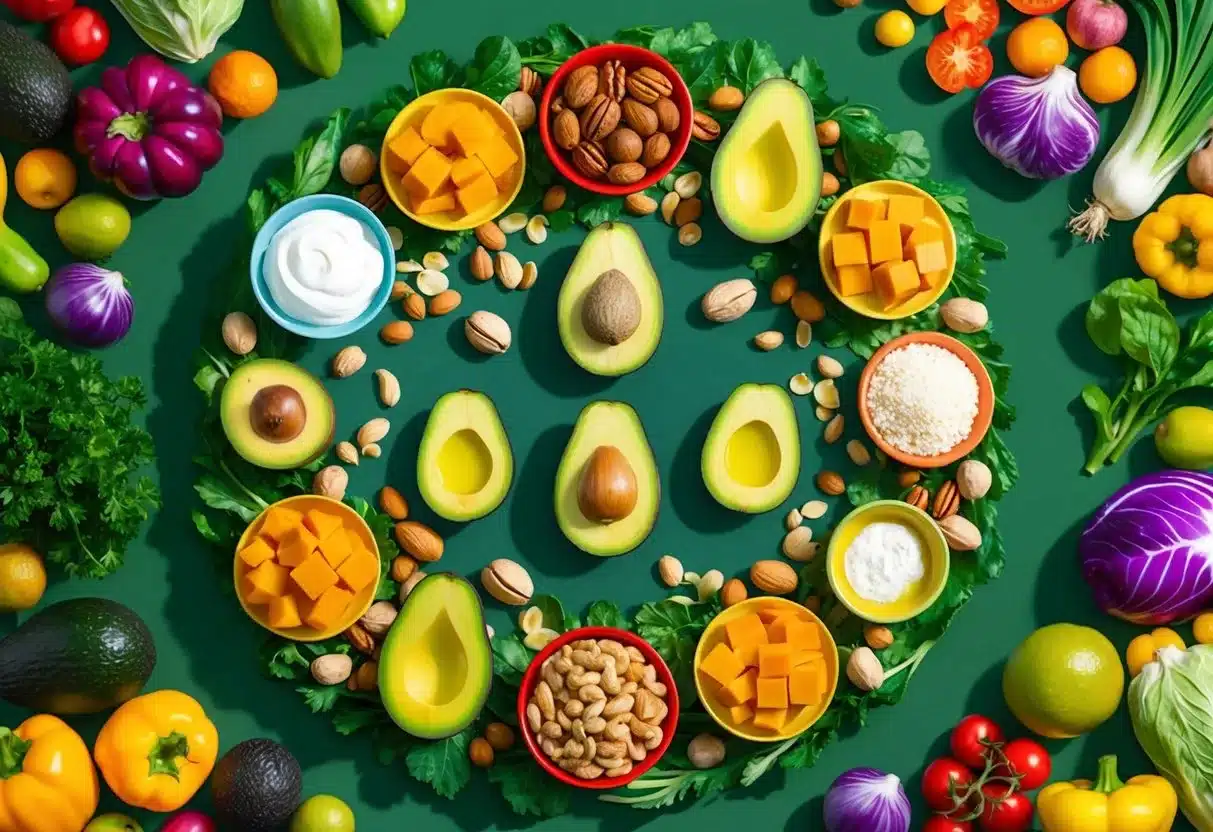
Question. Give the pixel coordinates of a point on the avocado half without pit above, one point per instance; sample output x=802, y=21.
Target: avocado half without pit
x=276, y=415
x=464, y=463
x=751, y=458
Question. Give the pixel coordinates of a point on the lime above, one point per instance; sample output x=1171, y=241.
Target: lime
x=1063, y=680
x=93, y=226
x=323, y=813
x=22, y=577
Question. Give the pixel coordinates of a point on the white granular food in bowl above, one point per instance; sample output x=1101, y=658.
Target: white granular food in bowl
x=922, y=399
x=884, y=561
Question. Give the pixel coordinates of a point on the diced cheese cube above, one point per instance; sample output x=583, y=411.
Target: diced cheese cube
x=773, y=693
x=278, y=521
x=905, y=209
x=428, y=174
x=798, y=635
x=265, y=583
x=801, y=657
x=404, y=149
x=850, y=248
x=931, y=280
x=360, y=569
x=896, y=282
x=255, y=553
x=864, y=212
x=804, y=687
x=774, y=660
x=924, y=231
x=930, y=256
x=770, y=719
x=741, y=714
x=481, y=192
x=470, y=132
x=746, y=631
x=284, y=612
x=884, y=242
x=439, y=202
x=336, y=548
x=467, y=170
x=313, y=576
x=295, y=546
x=329, y=608
x=742, y=689
x=321, y=523
x=854, y=280
x=436, y=126
x=721, y=665
x=497, y=156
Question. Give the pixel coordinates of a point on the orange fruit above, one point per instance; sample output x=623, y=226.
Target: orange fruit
x=1036, y=46
x=1108, y=75
x=243, y=83
x=22, y=577
x=45, y=178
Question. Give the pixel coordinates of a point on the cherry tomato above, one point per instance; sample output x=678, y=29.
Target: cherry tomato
x=1035, y=7
x=1030, y=760
x=943, y=823
x=971, y=739
x=1005, y=811
x=941, y=780
x=38, y=11
x=80, y=36
x=957, y=59
x=983, y=14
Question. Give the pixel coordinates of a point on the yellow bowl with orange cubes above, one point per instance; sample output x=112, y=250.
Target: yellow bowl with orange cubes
x=887, y=249
x=307, y=568
x=766, y=669
x=452, y=159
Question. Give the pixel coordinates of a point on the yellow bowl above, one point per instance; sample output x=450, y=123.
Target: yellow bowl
x=835, y=222
x=715, y=634
x=412, y=115
x=921, y=594
x=352, y=522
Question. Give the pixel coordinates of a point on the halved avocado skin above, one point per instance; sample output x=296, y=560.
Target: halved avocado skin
x=238, y=391
x=612, y=245
x=767, y=403
x=776, y=100
x=607, y=423
x=442, y=593
x=487, y=423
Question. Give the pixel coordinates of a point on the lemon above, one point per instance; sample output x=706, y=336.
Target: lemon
x=22, y=577
x=1063, y=680
x=894, y=28
x=927, y=7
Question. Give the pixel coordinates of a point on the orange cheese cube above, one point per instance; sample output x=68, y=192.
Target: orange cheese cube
x=931, y=280
x=773, y=693
x=905, y=209
x=746, y=631
x=428, y=174
x=466, y=171
x=436, y=126
x=721, y=665
x=295, y=546
x=278, y=521
x=804, y=687
x=266, y=582
x=478, y=194
x=470, y=132
x=884, y=242
x=770, y=719
x=329, y=608
x=444, y=201
x=321, y=523
x=896, y=282
x=497, y=156
x=800, y=635
x=854, y=280
x=336, y=548
x=257, y=552
x=774, y=660
x=801, y=657
x=313, y=576
x=849, y=249
x=284, y=612
x=741, y=714
x=924, y=231
x=404, y=149
x=360, y=569
x=929, y=256
x=742, y=689
x=864, y=212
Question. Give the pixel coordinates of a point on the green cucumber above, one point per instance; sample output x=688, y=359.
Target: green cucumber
x=381, y=17
x=312, y=31
x=21, y=268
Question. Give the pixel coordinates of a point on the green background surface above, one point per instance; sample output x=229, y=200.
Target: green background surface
x=178, y=249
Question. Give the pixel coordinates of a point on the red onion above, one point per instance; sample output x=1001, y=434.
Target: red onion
x=91, y=305
x=1094, y=24
x=189, y=822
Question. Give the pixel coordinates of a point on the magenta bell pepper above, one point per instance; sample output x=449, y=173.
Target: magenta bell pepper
x=150, y=130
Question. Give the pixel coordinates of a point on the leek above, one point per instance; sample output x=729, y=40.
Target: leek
x=1171, y=117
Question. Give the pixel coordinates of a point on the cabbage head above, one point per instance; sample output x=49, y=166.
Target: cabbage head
x=1147, y=554
x=184, y=30
x=1171, y=705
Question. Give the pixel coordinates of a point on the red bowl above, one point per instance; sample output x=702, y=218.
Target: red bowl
x=531, y=680
x=633, y=57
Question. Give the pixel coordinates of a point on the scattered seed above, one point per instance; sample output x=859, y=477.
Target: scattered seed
x=436, y=261
x=824, y=414
x=687, y=185
x=669, y=204
x=814, y=510
x=512, y=223
x=829, y=367
x=792, y=520
x=399, y=289
x=858, y=452
x=530, y=273
x=769, y=340
x=797, y=544
x=833, y=430
x=430, y=283
x=826, y=394
x=800, y=384
x=530, y=620
x=347, y=453
x=409, y=267
x=690, y=234
x=537, y=229
x=804, y=334
x=372, y=450
x=540, y=638
x=396, y=236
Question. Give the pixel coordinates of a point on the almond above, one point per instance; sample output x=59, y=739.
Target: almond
x=444, y=302
x=774, y=577
x=669, y=568
x=397, y=332
x=347, y=361
x=626, y=173
x=726, y=99
x=553, y=198
x=566, y=130
x=733, y=592
x=961, y=534
x=783, y=288
x=414, y=306
x=769, y=340
x=831, y=482
x=656, y=149
x=669, y=204
x=481, y=264
x=580, y=87
x=688, y=210
x=509, y=270
x=419, y=541
x=389, y=388
x=639, y=117
x=964, y=315
x=239, y=333
x=490, y=236
x=668, y=117
x=640, y=204
x=373, y=431
x=393, y=504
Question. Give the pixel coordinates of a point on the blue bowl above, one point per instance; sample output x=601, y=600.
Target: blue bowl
x=290, y=211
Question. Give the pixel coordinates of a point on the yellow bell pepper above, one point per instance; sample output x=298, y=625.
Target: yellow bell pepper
x=47, y=781
x=1146, y=803
x=1141, y=650
x=157, y=750
x=1174, y=245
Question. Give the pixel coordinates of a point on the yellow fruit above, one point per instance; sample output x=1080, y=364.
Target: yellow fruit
x=1035, y=46
x=1139, y=653
x=1202, y=628
x=894, y=29
x=927, y=7
x=45, y=178
x=243, y=83
x=1166, y=637
x=1108, y=75
x=22, y=577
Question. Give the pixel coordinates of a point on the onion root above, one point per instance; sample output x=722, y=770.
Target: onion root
x=1091, y=224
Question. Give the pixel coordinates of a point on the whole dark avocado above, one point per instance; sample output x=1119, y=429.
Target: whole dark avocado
x=256, y=787
x=35, y=89
x=77, y=657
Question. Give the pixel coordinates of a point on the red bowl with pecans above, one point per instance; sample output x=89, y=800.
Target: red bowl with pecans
x=642, y=97
x=661, y=679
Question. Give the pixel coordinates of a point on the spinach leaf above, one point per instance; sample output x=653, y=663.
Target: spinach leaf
x=685, y=43
x=315, y=159
x=553, y=611
x=495, y=67
x=443, y=764
x=605, y=614
x=705, y=71
x=911, y=158
x=750, y=62
x=527, y=788
x=1103, y=320
x=433, y=70
x=643, y=36
x=1149, y=333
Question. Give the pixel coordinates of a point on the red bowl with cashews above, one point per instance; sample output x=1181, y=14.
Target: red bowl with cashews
x=533, y=676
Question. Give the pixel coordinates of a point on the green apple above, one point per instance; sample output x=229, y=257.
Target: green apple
x=323, y=813
x=112, y=823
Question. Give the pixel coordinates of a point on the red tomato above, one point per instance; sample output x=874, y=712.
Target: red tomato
x=1029, y=759
x=942, y=779
x=972, y=737
x=80, y=36
x=39, y=11
x=1005, y=811
x=957, y=59
x=1035, y=7
x=942, y=823
x=983, y=14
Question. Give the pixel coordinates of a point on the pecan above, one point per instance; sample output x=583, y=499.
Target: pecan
x=705, y=128
x=599, y=118
x=590, y=159
x=530, y=82
x=360, y=639
x=373, y=196
x=612, y=80
x=918, y=497
x=646, y=85
x=947, y=501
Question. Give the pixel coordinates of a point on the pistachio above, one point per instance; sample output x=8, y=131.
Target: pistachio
x=826, y=394
x=864, y=669
x=431, y=282
x=530, y=273
x=961, y=534
x=508, y=582
x=511, y=223
x=331, y=481
x=346, y=452
x=389, y=388
x=239, y=333
x=728, y=301
x=964, y=315
x=435, y=261
x=829, y=367
x=800, y=384
x=537, y=229
x=408, y=267
x=487, y=332
x=670, y=570
x=669, y=204
x=347, y=361
x=814, y=510
x=687, y=185
x=974, y=479
x=509, y=270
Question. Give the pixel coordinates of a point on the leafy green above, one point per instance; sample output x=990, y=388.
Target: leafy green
x=495, y=67
x=527, y=788
x=605, y=614
x=433, y=70
x=444, y=764
x=674, y=630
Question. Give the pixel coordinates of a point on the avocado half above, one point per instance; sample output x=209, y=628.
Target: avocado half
x=276, y=415
x=610, y=250
x=766, y=177
x=436, y=665
x=615, y=425
x=751, y=458
x=464, y=463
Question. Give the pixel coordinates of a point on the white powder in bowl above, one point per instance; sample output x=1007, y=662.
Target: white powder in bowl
x=922, y=399
x=883, y=561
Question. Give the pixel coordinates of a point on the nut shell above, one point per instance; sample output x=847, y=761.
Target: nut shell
x=508, y=582
x=668, y=117
x=580, y=87
x=647, y=84
x=626, y=173
x=639, y=117
x=919, y=497
x=566, y=130
x=947, y=501
x=974, y=479
x=624, y=145
x=656, y=149
x=961, y=534
x=590, y=159
x=487, y=332
x=774, y=577
x=600, y=117
x=705, y=128
x=728, y=301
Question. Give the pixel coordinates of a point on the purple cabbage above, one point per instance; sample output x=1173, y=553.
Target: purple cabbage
x=1147, y=554
x=91, y=305
x=867, y=800
x=1041, y=128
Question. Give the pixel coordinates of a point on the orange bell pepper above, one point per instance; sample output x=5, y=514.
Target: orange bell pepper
x=157, y=750
x=47, y=781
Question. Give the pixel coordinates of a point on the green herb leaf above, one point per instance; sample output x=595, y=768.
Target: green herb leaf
x=911, y=158
x=606, y=614
x=750, y=62
x=320, y=698
x=510, y=659
x=674, y=630
x=527, y=788
x=433, y=70
x=443, y=764
x=495, y=68
x=553, y=611
x=316, y=158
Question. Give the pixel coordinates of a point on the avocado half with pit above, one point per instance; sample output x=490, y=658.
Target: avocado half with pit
x=766, y=177
x=276, y=415
x=607, y=487
x=751, y=458
x=609, y=312
x=464, y=464
x=436, y=665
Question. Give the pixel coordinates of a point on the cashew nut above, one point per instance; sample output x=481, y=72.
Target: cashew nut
x=534, y=717
x=578, y=729
x=647, y=706
x=655, y=740
x=641, y=730
x=578, y=677
x=611, y=764
x=594, y=709
x=610, y=679
x=562, y=665
x=635, y=751
x=591, y=749
x=588, y=771
x=587, y=644
x=574, y=707
x=555, y=680
x=612, y=749
x=552, y=730
x=564, y=721
x=634, y=654
x=545, y=700
x=621, y=704
x=629, y=687
x=551, y=749
x=562, y=696
x=635, y=673
x=650, y=682
x=572, y=748
x=595, y=725
x=589, y=661
x=591, y=693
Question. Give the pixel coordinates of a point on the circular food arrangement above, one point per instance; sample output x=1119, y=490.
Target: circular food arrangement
x=862, y=426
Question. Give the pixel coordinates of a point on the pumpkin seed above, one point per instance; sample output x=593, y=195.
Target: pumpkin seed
x=430, y=283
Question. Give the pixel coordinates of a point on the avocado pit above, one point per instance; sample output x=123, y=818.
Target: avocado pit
x=610, y=313
x=278, y=413
x=607, y=492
